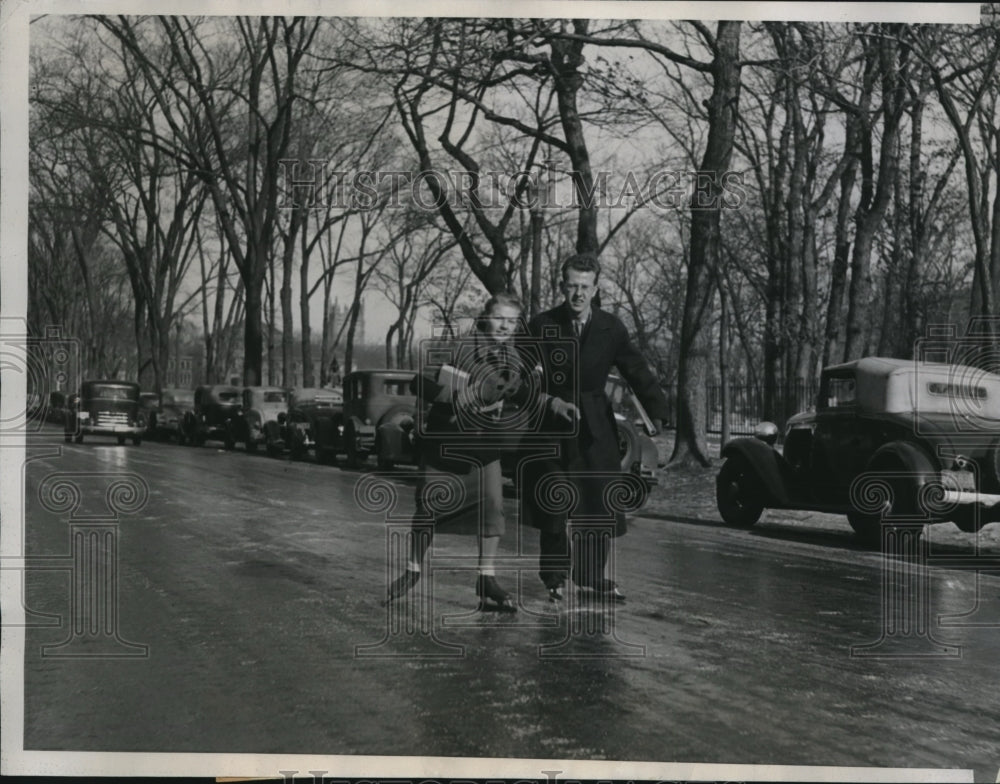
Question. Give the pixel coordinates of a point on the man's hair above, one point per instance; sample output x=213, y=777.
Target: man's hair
x=582, y=262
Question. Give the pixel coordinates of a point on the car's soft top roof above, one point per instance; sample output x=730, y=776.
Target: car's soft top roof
x=896, y=385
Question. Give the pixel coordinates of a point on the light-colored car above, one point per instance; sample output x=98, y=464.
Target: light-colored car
x=888, y=438
x=260, y=406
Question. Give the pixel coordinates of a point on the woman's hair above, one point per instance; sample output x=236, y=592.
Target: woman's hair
x=497, y=300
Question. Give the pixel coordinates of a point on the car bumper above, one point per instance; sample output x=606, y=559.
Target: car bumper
x=110, y=430
x=967, y=497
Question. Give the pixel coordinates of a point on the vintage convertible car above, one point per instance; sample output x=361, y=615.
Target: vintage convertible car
x=108, y=408
x=378, y=413
x=261, y=406
x=313, y=414
x=214, y=406
x=889, y=439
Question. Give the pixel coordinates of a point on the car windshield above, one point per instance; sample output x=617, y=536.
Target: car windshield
x=178, y=398
x=842, y=392
x=396, y=387
x=100, y=391
x=274, y=397
x=228, y=397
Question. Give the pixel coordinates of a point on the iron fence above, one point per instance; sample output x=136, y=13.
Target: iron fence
x=746, y=404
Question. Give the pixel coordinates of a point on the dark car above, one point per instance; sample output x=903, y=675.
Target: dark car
x=378, y=413
x=261, y=406
x=214, y=406
x=314, y=420
x=57, y=408
x=888, y=439
x=149, y=408
x=174, y=405
x=107, y=408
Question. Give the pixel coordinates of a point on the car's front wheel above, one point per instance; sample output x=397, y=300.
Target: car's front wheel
x=737, y=493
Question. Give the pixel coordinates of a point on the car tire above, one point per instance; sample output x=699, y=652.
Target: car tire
x=385, y=463
x=121, y=440
x=137, y=441
x=629, y=449
x=78, y=439
x=251, y=445
x=904, y=488
x=68, y=438
x=355, y=458
x=736, y=493
x=326, y=456
x=181, y=439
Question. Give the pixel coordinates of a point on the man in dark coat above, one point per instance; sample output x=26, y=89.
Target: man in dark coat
x=578, y=402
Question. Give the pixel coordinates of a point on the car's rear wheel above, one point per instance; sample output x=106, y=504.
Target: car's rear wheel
x=136, y=440
x=737, y=493
x=902, y=479
x=121, y=440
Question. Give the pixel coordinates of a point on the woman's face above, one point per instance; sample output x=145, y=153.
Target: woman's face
x=501, y=322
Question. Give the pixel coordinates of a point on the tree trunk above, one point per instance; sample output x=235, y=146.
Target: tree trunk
x=567, y=58
x=690, y=446
x=308, y=373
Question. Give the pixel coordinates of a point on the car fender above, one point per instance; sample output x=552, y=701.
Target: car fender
x=390, y=441
x=913, y=458
x=358, y=428
x=768, y=464
x=650, y=455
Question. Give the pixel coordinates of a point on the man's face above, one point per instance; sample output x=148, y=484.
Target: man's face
x=578, y=287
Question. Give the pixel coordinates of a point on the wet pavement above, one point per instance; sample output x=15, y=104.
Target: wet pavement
x=256, y=585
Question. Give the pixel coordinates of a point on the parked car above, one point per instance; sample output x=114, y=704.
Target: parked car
x=931, y=431
x=314, y=415
x=107, y=408
x=261, y=405
x=378, y=413
x=174, y=405
x=149, y=407
x=58, y=408
x=214, y=406
x=637, y=450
